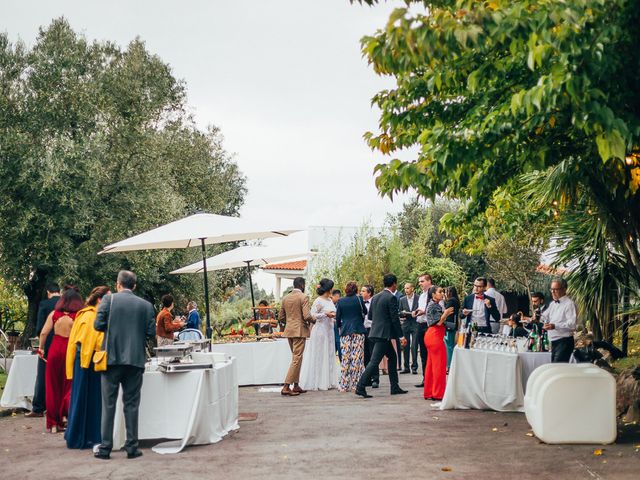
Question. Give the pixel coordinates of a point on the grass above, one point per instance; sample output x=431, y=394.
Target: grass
x=633, y=358
x=3, y=380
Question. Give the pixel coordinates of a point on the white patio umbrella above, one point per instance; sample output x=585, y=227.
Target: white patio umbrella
x=248, y=256
x=198, y=229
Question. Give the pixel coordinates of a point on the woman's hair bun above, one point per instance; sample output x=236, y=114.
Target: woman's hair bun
x=324, y=286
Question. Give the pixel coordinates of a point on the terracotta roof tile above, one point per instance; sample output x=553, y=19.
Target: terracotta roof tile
x=297, y=265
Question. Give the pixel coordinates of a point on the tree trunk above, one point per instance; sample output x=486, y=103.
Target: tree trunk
x=625, y=322
x=34, y=290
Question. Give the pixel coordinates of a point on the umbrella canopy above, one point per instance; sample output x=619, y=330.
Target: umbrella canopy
x=252, y=256
x=195, y=230
x=191, y=231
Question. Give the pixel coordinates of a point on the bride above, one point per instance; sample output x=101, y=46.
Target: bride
x=319, y=368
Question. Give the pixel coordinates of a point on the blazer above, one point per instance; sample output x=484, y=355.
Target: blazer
x=383, y=313
x=132, y=321
x=165, y=325
x=350, y=312
x=295, y=311
x=488, y=312
x=452, y=320
x=405, y=307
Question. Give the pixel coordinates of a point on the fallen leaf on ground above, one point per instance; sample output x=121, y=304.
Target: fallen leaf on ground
x=446, y=469
x=529, y=434
x=505, y=424
x=494, y=429
x=13, y=414
x=636, y=446
x=436, y=418
x=597, y=452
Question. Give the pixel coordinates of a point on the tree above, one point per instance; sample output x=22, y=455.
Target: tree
x=489, y=91
x=96, y=146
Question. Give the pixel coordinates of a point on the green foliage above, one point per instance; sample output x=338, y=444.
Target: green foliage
x=445, y=272
x=230, y=314
x=96, y=147
x=13, y=307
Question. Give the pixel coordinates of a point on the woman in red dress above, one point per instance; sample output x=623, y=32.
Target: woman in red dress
x=435, y=375
x=57, y=387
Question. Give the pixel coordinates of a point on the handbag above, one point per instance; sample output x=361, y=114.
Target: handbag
x=100, y=357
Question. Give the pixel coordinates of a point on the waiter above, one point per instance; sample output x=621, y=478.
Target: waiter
x=560, y=322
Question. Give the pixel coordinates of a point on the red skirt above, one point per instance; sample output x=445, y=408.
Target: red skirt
x=58, y=388
x=435, y=375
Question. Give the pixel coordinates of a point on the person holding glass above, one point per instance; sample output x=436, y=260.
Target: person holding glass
x=435, y=377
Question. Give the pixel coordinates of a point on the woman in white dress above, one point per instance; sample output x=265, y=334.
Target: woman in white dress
x=319, y=366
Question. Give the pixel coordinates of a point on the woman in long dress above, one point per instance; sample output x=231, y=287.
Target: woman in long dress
x=85, y=407
x=319, y=367
x=58, y=388
x=435, y=376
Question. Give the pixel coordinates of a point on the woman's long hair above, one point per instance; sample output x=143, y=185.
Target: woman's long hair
x=96, y=294
x=452, y=292
x=70, y=301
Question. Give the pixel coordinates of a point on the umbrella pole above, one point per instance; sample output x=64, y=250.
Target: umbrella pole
x=253, y=300
x=206, y=291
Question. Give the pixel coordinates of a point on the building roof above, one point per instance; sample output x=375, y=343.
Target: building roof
x=297, y=265
x=546, y=269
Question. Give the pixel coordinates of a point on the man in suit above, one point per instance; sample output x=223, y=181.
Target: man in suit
x=295, y=311
x=366, y=292
x=479, y=307
x=128, y=321
x=385, y=326
x=44, y=309
x=409, y=304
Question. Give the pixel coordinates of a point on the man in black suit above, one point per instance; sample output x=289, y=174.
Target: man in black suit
x=385, y=325
x=408, y=304
x=128, y=321
x=480, y=308
x=366, y=292
x=44, y=309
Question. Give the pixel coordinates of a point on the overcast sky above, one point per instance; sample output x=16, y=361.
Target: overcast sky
x=284, y=80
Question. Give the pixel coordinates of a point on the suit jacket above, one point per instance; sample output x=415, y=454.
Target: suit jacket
x=488, y=312
x=383, y=312
x=405, y=307
x=350, y=311
x=295, y=311
x=44, y=309
x=130, y=321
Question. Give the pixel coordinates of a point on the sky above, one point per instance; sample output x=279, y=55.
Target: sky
x=284, y=80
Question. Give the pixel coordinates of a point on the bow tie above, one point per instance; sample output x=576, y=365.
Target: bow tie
x=557, y=301
x=480, y=297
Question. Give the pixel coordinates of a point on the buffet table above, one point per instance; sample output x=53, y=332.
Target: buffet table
x=259, y=363
x=21, y=381
x=489, y=380
x=194, y=408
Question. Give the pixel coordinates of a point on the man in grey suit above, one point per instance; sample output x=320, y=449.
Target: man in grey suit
x=128, y=321
x=385, y=326
x=409, y=304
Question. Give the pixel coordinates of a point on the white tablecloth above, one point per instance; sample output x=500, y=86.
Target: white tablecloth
x=259, y=363
x=18, y=391
x=195, y=408
x=484, y=380
x=529, y=361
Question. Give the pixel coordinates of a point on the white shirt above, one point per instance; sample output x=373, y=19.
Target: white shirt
x=477, y=314
x=499, y=298
x=367, y=322
x=562, y=314
x=422, y=305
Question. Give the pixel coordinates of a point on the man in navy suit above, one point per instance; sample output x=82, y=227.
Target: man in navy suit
x=385, y=326
x=409, y=304
x=480, y=308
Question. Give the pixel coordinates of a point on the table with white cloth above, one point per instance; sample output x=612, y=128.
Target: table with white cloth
x=259, y=363
x=489, y=379
x=21, y=381
x=195, y=407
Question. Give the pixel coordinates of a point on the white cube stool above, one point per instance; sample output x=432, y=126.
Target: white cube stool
x=571, y=403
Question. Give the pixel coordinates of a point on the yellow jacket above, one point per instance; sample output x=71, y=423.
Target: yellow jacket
x=90, y=339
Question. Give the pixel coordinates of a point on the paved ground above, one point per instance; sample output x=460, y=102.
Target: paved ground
x=332, y=435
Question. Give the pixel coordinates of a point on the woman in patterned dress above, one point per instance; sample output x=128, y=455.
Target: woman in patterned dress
x=350, y=315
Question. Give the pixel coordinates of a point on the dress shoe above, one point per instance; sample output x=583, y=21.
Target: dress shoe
x=420, y=386
x=298, y=390
x=289, y=393
x=363, y=393
x=134, y=454
x=397, y=391
x=375, y=384
x=406, y=370
x=34, y=414
x=415, y=372
x=102, y=455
